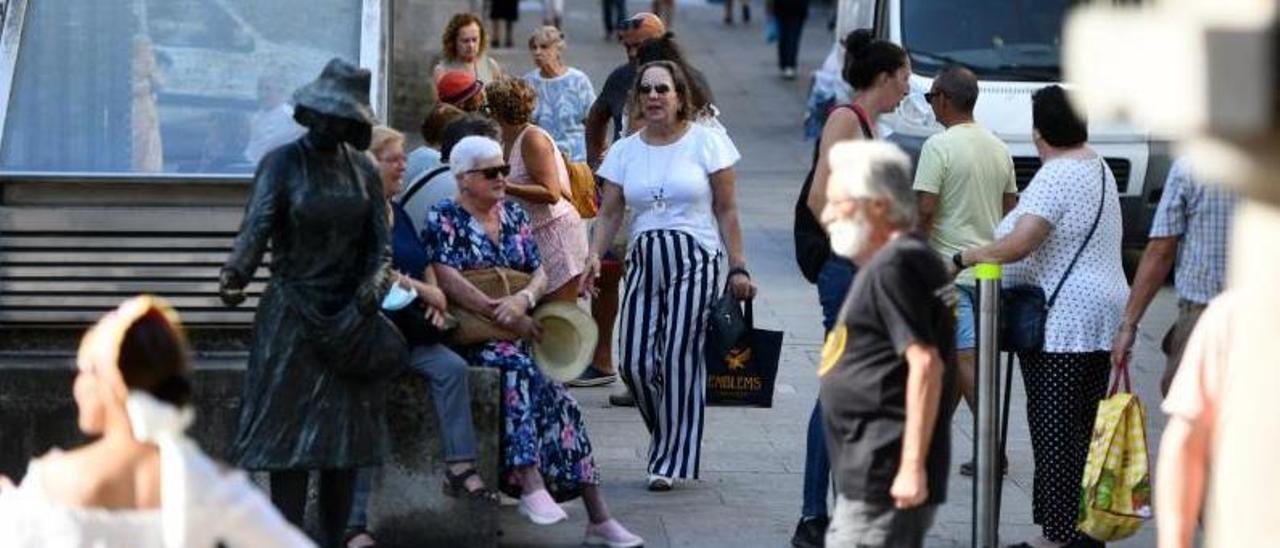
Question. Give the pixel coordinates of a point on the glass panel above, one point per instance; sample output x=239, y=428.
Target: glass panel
x=1008, y=39
x=168, y=86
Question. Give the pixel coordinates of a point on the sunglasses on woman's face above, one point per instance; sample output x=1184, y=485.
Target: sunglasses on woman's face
x=662, y=89
x=494, y=172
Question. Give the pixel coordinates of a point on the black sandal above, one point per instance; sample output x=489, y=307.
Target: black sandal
x=456, y=486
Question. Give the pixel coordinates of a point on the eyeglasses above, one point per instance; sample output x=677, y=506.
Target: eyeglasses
x=630, y=24
x=662, y=89
x=928, y=97
x=494, y=172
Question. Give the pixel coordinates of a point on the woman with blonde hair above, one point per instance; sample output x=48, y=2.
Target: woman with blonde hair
x=539, y=182
x=565, y=94
x=443, y=369
x=142, y=482
x=466, y=47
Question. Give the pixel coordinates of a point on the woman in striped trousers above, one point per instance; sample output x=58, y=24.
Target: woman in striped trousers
x=678, y=178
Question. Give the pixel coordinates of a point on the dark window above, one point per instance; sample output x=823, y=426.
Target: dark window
x=1007, y=39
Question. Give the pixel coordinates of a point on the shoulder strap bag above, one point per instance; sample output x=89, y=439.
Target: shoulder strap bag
x=812, y=245
x=1023, y=309
x=421, y=183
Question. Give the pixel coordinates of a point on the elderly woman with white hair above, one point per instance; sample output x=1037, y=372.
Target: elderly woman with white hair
x=546, y=455
x=565, y=94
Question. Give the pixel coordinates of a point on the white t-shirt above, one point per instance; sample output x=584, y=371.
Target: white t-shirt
x=1089, y=307
x=669, y=186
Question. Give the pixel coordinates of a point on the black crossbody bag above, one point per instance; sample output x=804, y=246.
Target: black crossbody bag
x=1023, y=309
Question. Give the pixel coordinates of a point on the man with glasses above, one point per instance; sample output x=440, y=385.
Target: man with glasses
x=613, y=97
x=608, y=107
x=964, y=185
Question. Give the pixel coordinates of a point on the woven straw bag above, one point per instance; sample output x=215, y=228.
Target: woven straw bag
x=496, y=283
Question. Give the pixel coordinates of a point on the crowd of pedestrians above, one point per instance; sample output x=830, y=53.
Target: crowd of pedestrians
x=350, y=216
x=901, y=350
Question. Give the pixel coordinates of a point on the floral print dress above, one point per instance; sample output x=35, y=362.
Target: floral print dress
x=541, y=422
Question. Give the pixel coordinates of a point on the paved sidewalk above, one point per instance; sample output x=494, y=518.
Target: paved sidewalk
x=753, y=459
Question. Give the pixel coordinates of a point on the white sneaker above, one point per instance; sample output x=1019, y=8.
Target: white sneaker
x=611, y=534
x=541, y=509
x=659, y=483
x=789, y=73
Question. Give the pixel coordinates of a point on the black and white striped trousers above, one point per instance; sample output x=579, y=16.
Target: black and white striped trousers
x=670, y=285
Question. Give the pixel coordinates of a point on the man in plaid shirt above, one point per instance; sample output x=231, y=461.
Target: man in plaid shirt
x=1190, y=228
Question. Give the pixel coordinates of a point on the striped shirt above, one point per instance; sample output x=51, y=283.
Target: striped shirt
x=1199, y=216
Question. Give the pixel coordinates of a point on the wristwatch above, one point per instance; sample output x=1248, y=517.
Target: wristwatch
x=958, y=260
x=528, y=295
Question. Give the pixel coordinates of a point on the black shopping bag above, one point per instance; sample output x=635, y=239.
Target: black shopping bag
x=744, y=374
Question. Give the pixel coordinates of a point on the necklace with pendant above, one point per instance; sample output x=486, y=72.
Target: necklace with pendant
x=659, y=194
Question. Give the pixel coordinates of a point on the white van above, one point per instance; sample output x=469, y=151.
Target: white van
x=1014, y=46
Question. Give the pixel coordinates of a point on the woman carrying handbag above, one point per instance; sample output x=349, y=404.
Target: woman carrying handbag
x=1065, y=234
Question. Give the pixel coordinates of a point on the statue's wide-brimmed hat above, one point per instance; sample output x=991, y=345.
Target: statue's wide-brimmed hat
x=568, y=340
x=341, y=90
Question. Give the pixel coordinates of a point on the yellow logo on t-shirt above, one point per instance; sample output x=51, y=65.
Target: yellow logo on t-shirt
x=833, y=348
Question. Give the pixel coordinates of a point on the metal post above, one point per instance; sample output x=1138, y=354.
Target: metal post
x=987, y=477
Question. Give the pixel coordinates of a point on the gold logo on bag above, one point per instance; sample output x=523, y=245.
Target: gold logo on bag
x=738, y=358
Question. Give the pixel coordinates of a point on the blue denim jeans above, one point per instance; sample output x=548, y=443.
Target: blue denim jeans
x=614, y=11
x=447, y=373
x=833, y=284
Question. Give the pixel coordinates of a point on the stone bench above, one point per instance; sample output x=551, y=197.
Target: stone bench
x=406, y=506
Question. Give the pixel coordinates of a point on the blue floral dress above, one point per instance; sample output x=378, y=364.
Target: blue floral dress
x=541, y=422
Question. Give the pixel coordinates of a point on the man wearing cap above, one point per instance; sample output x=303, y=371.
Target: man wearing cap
x=964, y=185
x=460, y=89
x=613, y=97
x=608, y=108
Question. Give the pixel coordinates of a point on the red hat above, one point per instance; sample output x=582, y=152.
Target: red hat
x=456, y=86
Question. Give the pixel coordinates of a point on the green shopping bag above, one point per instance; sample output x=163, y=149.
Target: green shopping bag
x=1115, y=493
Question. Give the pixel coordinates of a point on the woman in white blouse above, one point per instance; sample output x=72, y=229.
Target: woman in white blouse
x=142, y=483
x=1070, y=208
x=678, y=178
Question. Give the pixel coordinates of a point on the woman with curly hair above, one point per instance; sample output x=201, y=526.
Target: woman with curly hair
x=539, y=182
x=466, y=48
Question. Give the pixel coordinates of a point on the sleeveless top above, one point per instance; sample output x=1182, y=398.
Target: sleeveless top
x=540, y=214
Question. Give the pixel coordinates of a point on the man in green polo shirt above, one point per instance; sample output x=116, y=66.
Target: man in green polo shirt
x=964, y=185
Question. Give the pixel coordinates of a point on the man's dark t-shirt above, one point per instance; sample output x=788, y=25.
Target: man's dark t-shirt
x=902, y=296
x=614, y=94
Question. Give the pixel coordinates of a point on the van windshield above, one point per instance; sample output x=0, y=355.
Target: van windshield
x=1002, y=39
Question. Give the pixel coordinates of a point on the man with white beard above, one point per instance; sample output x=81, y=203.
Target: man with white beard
x=889, y=362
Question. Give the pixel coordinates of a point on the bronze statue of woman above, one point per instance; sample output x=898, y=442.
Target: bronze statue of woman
x=311, y=397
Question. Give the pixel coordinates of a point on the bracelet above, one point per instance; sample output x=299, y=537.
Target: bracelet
x=528, y=295
x=739, y=270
